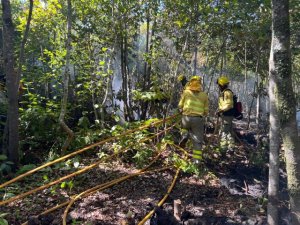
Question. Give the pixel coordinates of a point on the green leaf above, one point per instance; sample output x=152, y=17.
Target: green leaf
x=26, y=168
x=45, y=177
x=8, y=195
x=104, y=49
x=179, y=23
x=63, y=184
x=3, y=221
x=87, y=140
x=3, y=157
x=70, y=184
x=152, y=120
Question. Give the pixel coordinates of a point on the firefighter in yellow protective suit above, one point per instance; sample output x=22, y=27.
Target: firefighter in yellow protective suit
x=226, y=113
x=194, y=107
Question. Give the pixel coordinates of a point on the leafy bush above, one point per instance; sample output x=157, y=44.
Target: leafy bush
x=142, y=156
x=185, y=165
x=2, y=220
x=38, y=124
x=5, y=166
x=25, y=169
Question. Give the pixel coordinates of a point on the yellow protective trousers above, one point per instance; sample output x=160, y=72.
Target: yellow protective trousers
x=194, y=125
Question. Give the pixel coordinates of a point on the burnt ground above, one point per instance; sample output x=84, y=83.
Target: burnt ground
x=231, y=189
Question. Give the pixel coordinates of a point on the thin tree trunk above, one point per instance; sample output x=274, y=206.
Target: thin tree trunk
x=273, y=155
x=222, y=62
x=280, y=68
x=195, y=16
x=128, y=82
x=25, y=36
x=250, y=108
x=172, y=82
x=258, y=91
x=245, y=59
x=124, y=79
x=12, y=84
x=147, y=79
x=214, y=67
x=124, y=71
x=258, y=114
x=195, y=60
x=5, y=139
x=146, y=67
x=66, y=77
x=108, y=87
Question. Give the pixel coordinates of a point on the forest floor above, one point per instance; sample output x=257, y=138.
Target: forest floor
x=232, y=189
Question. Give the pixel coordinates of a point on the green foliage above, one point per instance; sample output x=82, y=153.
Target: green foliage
x=68, y=185
x=142, y=156
x=149, y=95
x=5, y=166
x=76, y=222
x=260, y=156
x=70, y=164
x=101, y=155
x=226, y=29
x=25, y=169
x=185, y=165
x=3, y=221
x=86, y=138
x=38, y=124
x=117, y=129
x=84, y=122
x=8, y=195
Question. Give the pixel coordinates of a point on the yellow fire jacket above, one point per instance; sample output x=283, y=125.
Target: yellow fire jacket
x=194, y=103
x=226, y=100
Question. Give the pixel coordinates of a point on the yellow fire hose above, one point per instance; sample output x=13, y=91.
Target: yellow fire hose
x=100, y=187
x=126, y=177
x=103, y=186
x=161, y=202
x=85, y=149
x=75, y=173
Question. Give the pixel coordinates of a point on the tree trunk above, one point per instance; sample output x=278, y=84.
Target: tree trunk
x=12, y=84
x=25, y=36
x=195, y=60
x=66, y=77
x=146, y=81
x=258, y=91
x=172, y=80
x=273, y=155
x=246, y=77
x=280, y=68
x=250, y=108
x=124, y=79
x=128, y=81
x=107, y=89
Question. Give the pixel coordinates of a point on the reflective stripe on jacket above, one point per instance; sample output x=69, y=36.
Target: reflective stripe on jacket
x=194, y=103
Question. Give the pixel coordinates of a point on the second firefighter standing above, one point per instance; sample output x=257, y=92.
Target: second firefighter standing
x=194, y=107
x=225, y=112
